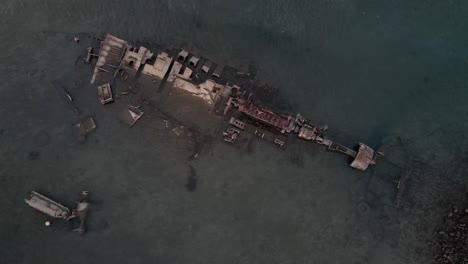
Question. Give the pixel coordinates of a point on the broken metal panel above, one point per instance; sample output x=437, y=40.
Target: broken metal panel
x=47, y=206
x=84, y=127
x=130, y=116
x=105, y=93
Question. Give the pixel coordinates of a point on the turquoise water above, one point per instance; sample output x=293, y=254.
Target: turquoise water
x=391, y=73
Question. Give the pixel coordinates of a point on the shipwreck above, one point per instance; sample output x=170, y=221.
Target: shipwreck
x=202, y=78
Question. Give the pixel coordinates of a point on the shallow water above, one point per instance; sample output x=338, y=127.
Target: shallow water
x=390, y=73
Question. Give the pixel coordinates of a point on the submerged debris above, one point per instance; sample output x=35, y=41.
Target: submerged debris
x=178, y=130
x=129, y=116
x=105, y=93
x=81, y=212
x=56, y=210
x=66, y=96
x=191, y=180
x=134, y=101
x=279, y=143
x=89, y=55
x=231, y=134
x=83, y=128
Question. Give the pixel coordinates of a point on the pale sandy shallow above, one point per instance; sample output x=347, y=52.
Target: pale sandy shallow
x=391, y=73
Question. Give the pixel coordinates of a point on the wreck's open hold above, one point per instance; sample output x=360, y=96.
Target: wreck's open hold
x=160, y=66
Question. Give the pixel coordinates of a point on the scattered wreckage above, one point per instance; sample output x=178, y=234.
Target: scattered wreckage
x=84, y=127
x=56, y=210
x=243, y=115
x=130, y=115
x=105, y=93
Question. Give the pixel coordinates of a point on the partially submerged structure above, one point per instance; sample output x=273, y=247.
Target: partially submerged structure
x=56, y=210
x=105, y=93
x=81, y=212
x=135, y=57
x=183, y=54
x=47, y=206
x=265, y=116
x=160, y=66
x=194, y=61
x=84, y=127
x=110, y=57
x=130, y=115
x=218, y=70
x=241, y=113
x=206, y=66
x=364, y=158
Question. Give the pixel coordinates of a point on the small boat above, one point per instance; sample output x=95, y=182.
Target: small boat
x=47, y=206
